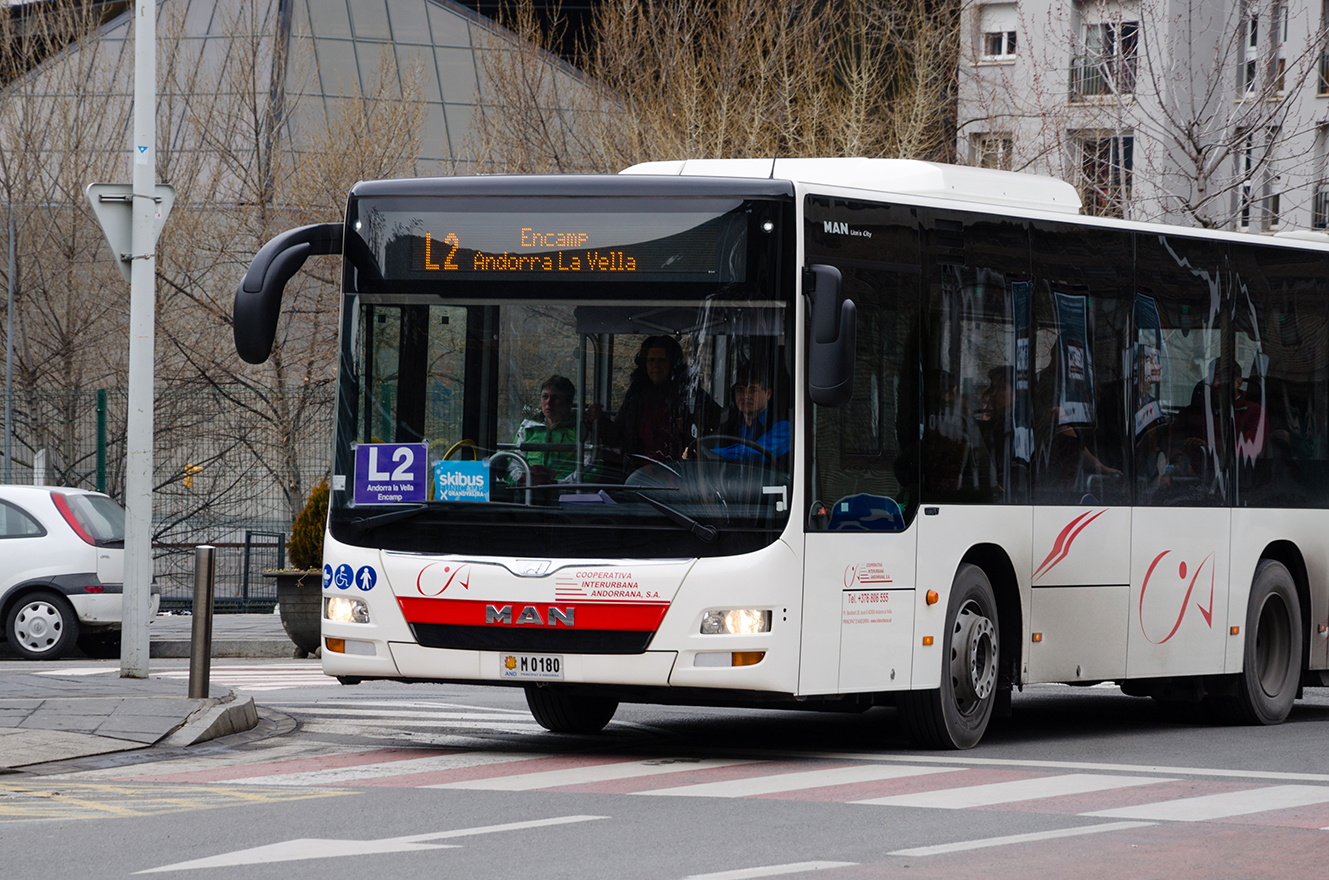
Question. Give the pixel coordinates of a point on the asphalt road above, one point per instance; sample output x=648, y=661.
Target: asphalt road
x=391, y=780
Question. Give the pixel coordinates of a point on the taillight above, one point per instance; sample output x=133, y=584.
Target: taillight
x=63, y=506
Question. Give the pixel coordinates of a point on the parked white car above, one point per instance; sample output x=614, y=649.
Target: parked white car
x=61, y=571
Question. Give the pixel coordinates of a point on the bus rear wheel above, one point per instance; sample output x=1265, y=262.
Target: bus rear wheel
x=1267, y=683
x=562, y=712
x=956, y=715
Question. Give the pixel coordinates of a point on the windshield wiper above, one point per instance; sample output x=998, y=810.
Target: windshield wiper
x=705, y=533
x=365, y=523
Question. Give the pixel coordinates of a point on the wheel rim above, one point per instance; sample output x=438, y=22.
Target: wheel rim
x=973, y=658
x=1273, y=638
x=38, y=626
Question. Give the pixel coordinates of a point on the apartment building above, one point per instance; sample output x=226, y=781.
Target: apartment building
x=1198, y=112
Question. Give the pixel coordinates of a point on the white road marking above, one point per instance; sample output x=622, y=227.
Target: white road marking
x=408, y=713
x=79, y=671
x=307, y=848
x=404, y=704
x=941, y=849
x=349, y=725
x=1220, y=806
x=591, y=773
x=795, y=781
x=770, y=870
x=344, y=775
x=1011, y=792
x=1053, y=765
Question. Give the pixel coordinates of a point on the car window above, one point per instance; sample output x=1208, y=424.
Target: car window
x=17, y=523
x=99, y=516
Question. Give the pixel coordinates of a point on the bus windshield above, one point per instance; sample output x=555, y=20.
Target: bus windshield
x=589, y=376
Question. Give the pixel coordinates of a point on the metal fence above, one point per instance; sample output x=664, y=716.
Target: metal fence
x=231, y=469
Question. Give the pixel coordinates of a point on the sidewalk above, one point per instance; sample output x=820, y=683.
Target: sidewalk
x=57, y=711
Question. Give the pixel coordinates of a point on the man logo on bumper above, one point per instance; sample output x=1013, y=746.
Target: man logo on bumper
x=530, y=615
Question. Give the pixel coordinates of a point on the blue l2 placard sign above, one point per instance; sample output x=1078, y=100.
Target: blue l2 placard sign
x=461, y=481
x=390, y=473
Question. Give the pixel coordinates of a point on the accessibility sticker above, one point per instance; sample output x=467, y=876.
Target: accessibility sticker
x=327, y=575
x=365, y=578
x=343, y=577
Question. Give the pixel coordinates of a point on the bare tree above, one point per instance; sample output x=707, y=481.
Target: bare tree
x=1187, y=112
x=716, y=79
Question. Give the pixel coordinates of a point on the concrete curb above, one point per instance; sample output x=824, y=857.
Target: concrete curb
x=233, y=648
x=217, y=716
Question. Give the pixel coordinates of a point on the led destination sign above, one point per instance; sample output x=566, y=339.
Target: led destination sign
x=694, y=242
x=570, y=256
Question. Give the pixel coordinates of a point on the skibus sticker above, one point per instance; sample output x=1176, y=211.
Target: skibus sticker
x=461, y=481
x=390, y=473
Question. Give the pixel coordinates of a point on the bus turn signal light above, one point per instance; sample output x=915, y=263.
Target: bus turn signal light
x=1236, y=630
x=747, y=658
x=1038, y=637
x=337, y=646
x=927, y=641
x=932, y=597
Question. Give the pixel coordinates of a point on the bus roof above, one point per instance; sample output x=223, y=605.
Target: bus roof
x=978, y=185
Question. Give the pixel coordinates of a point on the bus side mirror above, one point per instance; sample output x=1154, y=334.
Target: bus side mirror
x=258, y=299
x=833, y=338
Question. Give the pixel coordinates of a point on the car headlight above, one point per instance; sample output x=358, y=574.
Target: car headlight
x=737, y=622
x=340, y=609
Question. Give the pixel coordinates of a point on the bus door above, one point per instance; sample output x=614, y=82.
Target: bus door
x=1080, y=559
x=1182, y=427
x=862, y=458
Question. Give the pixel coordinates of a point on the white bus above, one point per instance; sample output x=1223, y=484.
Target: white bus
x=817, y=433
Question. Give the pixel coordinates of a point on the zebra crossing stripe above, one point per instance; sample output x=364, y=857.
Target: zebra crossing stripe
x=1012, y=792
x=1032, y=837
x=587, y=773
x=387, y=769
x=1221, y=806
x=781, y=782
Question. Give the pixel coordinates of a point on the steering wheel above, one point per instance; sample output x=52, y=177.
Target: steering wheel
x=716, y=440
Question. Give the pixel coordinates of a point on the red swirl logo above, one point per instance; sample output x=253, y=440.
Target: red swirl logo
x=1207, y=613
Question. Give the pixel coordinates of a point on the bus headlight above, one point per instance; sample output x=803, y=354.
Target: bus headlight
x=340, y=609
x=737, y=622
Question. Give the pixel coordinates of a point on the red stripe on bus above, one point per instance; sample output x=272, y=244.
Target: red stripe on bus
x=588, y=615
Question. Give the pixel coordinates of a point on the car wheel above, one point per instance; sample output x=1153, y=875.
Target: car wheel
x=41, y=626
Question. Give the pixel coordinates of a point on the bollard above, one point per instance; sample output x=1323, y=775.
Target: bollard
x=200, y=645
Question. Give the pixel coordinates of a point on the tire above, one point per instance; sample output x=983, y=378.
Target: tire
x=1267, y=683
x=41, y=626
x=100, y=645
x=956, y=715
x=562, y=712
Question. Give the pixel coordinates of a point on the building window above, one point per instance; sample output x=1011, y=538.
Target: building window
x=1259, y=203
x=996, y=24
x=1105, y=163
x=1320, y=206
x=1262, y=48
x=1107, y=62
x=992, y=150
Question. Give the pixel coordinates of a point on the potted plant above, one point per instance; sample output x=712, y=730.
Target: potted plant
x=300, y=587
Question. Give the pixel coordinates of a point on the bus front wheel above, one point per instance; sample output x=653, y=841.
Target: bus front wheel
x=562, y=712
x=1267, y=684
x=956, y=715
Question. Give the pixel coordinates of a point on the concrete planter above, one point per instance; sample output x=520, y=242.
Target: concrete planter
x=300, y=600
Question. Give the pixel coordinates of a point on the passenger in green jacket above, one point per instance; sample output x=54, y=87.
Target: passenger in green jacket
x=559, y=429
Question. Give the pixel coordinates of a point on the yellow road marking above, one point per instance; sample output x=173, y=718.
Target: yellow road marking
x=22, y=802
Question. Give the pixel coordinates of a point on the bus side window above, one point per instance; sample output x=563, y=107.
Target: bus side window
x=1181, y=412
x=1280, y=435
x=976, y=431
x=865, y=453
x=1081, y=314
